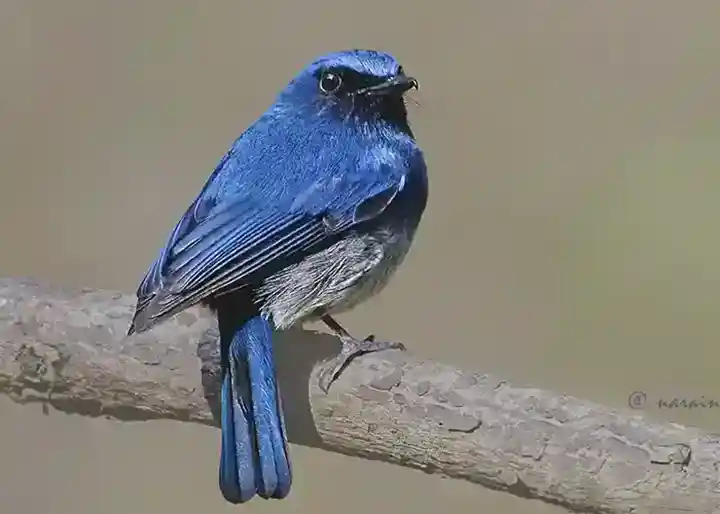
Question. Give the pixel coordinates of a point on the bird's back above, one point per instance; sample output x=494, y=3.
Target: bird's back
x=286, y=167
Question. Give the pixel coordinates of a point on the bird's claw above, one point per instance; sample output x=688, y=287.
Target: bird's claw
x=352, y=348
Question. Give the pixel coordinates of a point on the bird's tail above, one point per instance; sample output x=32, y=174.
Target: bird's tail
x=254, y=454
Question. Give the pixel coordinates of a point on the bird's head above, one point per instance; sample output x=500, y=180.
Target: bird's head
x=364, y=85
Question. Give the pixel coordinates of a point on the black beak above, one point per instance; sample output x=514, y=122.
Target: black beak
x=397, y=85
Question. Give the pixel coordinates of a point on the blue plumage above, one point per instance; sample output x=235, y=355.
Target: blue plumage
x=309, y=213
x=252, y=422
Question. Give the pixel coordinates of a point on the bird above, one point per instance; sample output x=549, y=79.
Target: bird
x=309, y=213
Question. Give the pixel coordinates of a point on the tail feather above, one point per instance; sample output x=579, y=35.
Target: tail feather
x=237, y=469
x=254, y=453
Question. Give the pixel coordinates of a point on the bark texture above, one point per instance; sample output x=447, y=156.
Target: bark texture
x=67, y=348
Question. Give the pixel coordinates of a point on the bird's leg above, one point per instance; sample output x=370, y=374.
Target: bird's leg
x=351, y=348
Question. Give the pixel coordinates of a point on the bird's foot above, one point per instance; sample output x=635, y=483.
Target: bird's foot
x=352, y=348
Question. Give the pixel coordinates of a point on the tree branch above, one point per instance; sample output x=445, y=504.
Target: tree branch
x=67, y=347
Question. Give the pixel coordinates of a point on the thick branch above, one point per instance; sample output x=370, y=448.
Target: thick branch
x=67, y=348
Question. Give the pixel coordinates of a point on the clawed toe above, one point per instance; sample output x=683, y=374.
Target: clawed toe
x=352, y=348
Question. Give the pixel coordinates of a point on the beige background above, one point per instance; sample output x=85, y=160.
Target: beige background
x=571, y=239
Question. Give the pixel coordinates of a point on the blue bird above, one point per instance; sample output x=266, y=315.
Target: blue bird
x=309, y=213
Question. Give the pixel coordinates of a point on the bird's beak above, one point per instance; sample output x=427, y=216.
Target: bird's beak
x=396, y=85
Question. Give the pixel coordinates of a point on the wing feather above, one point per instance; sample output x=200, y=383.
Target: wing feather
x=221, y=247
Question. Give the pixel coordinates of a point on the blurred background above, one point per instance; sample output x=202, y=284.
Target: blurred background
x=570, y=241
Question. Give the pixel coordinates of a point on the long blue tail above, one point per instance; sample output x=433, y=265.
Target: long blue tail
x=254, y=453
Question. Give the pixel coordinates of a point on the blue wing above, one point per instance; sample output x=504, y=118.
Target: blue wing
x=241, y=229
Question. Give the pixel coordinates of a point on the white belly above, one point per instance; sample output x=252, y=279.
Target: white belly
x=335, y=280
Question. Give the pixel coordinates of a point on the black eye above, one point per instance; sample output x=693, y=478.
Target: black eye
x=330, y=82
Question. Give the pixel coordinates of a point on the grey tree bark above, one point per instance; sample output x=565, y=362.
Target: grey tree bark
x=67, y=348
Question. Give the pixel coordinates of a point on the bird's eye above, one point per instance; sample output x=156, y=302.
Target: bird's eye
x=330, y=82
